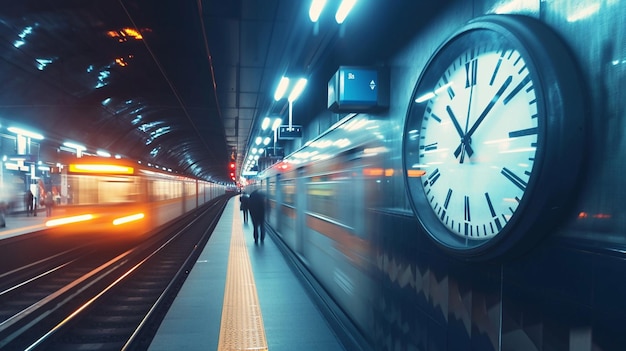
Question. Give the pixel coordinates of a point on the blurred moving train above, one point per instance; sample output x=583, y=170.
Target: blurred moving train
x=319, y=203
x=118, y=195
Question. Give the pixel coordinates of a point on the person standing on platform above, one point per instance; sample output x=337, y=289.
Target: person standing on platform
x=244, y=206
x=256, y=205
x=3, y=213
x=29, y=199
x=48, y=201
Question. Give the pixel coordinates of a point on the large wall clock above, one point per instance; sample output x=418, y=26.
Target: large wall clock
x=493, y=138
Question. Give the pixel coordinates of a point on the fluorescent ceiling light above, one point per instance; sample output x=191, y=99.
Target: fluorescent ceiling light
x=103, y=153
x=343, y=10
x=75, y=146
x=282, y=88
x=277, y=123
x=266, y=123
x=26, y=133
x=316, y=9
x=297, y=90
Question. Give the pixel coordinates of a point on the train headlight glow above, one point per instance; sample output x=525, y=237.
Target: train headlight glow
x=126, y=219
x=100, y=168
x=68, y=220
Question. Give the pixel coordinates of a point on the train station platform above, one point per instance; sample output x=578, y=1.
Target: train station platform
x=19, y=223
x=243, y=296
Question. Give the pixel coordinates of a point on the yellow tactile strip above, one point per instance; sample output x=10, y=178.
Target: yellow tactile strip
x=242, y=323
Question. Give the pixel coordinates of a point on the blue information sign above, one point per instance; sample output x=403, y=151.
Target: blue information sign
x=358, y=86
x=357, y=89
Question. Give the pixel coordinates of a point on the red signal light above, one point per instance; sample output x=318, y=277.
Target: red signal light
x=232, y=165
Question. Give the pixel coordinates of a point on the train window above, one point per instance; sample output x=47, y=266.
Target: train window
x=164, y=189
x=288, y=191
x=118, y=191
x=268, y=184
x=190, y=188
x=103, y=190
x=327, y=198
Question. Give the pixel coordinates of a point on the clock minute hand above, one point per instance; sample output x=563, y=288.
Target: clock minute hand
x=493, y=101
x=496, y=97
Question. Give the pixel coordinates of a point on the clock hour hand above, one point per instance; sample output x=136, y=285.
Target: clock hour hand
x=466, y=139
x=459, y=130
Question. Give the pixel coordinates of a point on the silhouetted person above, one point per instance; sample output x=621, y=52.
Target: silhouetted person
x=244, y=206
x=48, y=201
x=3, y=213
x=29, y=200
x=256, y=205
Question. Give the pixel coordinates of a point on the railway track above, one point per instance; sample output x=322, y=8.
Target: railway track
x=101, y=298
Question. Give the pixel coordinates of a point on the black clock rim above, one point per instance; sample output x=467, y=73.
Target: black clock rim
x=561, y=105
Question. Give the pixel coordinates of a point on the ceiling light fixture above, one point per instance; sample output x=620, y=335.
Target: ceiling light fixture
x=266, y=123
x=316, y=9
x=281, y=89
x=26, y=133
x=343, y=10
x=297, y=90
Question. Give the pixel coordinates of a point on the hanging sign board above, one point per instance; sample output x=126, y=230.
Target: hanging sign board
x=284, y=132
x=358, y=89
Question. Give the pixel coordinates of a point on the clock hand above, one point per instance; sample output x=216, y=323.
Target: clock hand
x=459, y=130
x=465, y=141
x=493, y=101
x=457, y=126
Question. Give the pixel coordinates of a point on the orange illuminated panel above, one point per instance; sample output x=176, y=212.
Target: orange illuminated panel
x=373, y=172
x=100, y=168
x=127, y=219
x=69, y=220
x=125, y=33
x=120, y=61
x=415, y=173
x=132, y=33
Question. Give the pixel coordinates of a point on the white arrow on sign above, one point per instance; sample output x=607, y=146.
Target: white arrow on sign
x=372, y=84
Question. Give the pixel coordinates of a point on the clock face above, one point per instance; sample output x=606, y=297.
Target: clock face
x=478, y=140
x=475, y=138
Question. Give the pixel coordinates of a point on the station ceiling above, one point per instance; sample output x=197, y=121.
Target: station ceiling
x=182, y=84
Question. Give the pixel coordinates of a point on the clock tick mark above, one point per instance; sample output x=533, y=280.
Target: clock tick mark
x=514, y=178
x=523, y=132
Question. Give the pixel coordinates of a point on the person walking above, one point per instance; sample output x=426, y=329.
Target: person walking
x=244, y=206
x=256, y=206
